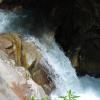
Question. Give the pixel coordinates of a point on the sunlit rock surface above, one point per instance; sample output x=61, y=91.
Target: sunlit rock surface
x=30, y=54
x=11, y=44
x=15, y=82
x=27, y=54
x=22, y=52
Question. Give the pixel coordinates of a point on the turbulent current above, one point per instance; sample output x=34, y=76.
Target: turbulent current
x=63, y=74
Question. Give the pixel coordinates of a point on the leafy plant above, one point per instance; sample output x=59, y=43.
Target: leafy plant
x=44, y=98
x=33, y=98
x=69, y=96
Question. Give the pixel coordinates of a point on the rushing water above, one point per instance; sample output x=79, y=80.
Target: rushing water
x=63, y=74
x=86, y=87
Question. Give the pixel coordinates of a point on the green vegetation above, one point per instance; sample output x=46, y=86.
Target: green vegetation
x=44, y=98
x=33, y=98
x=69, y=96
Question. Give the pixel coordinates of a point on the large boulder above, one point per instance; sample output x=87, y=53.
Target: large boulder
x=41, y=76
x=36, y=65
x=22, y=52
x=27, y=54
x=15, y=82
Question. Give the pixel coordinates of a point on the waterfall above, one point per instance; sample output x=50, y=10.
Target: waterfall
x=63, y=74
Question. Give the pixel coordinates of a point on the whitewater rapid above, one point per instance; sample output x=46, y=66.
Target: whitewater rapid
x=64, y=75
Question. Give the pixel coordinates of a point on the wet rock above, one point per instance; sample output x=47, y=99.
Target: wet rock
x=22, y=52
x=15, y=82
x=11, y=44
x=41, y=75
x=30, y=53
x=4, y=43
x=74, y=57
x=89, y=60
x=27, y=54
x=86, y=59
x=37, y=67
